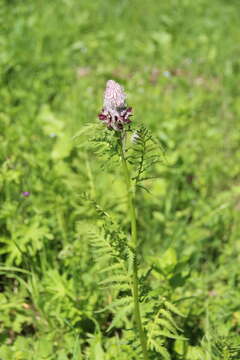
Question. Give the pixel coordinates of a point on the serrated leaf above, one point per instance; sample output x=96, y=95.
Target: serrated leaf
x=173, y=308
x=111, y=268
x=168, y=315
x=120, y=302
x=170, y=335
x=114, y=279
x=120, y=315
x=119, y=287
x=166, y=325
x=117, y=303
x=157, y=346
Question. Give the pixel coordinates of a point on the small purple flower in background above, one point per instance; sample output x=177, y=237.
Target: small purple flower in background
x=115, y=113
x=25, y=193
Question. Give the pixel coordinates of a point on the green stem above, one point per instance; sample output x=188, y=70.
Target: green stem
x=131, y=205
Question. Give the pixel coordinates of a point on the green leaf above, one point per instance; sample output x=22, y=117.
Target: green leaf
x=167, y=334
x=173, y=308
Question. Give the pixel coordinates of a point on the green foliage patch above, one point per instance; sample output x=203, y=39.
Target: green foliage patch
x=64, y=286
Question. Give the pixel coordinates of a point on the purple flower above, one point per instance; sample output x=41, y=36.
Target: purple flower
x=115, y=113
x=25, y=193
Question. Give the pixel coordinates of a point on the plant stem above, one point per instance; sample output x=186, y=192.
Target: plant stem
x=135, y=285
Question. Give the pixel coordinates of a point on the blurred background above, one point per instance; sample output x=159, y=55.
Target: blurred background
x=179, y=63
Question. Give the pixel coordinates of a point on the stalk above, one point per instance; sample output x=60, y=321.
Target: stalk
x=135, y=282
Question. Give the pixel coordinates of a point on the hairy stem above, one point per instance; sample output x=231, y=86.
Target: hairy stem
x=135, y=285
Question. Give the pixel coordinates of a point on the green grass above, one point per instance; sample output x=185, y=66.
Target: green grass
x=179, y=62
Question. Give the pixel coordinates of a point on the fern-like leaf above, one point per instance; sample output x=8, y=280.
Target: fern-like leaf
x=146, y=152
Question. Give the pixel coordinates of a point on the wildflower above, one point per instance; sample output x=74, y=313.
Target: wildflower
x=25, y=193
x=115, y=113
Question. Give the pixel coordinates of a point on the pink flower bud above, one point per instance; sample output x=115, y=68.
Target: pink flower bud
x=115, y=113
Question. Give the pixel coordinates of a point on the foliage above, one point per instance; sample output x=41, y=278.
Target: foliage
x=63, y=248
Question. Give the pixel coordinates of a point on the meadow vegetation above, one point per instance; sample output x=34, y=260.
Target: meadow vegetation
x=62, y=196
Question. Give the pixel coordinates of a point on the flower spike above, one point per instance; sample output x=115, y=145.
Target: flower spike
x=115, y=113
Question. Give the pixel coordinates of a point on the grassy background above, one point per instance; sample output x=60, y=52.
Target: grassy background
x=179, y=62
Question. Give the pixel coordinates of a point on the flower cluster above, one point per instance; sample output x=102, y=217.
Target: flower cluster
x=115, y=113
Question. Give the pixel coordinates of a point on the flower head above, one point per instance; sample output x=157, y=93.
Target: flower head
x=115, y=113
x=25, y=193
